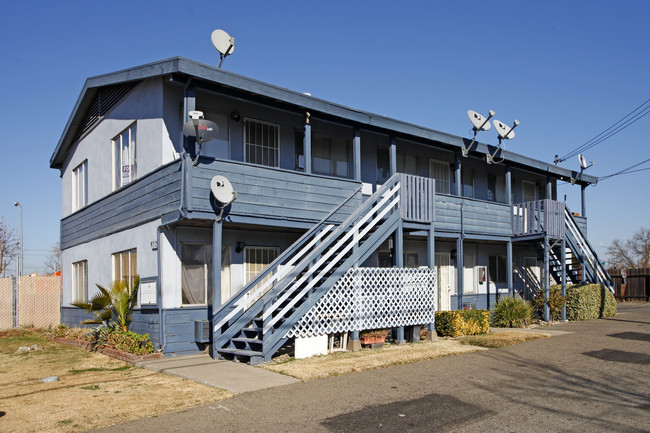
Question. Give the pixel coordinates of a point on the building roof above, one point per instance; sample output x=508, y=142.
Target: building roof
x=121, y=81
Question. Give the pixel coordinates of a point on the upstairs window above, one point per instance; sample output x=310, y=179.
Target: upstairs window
x=80, y=281
x=407, y=164
x=330, y=155
x=80, y=186
x=125, y=266
x=528, y=191
x=496, y=188
x=261, y=142
x=441, y=172
x=124, y=165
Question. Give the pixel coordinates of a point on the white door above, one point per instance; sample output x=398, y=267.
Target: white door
x=469, y=282
x=443, y=283
x=531, y=276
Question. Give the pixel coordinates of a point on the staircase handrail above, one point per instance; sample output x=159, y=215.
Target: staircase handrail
x=237, y=302
x=590, y=253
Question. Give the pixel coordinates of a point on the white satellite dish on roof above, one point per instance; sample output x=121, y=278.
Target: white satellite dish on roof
x=505, y=132
x=224, y=43
x=479, y=123
x=583, y=167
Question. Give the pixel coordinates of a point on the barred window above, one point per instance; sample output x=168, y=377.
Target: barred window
x=261, y=142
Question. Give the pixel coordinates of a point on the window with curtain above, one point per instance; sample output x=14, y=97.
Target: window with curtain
x=467, y=182
x=80, y=281
x=497, y=269
x=330, y=155
x=407, y=164
x=124, y=155
x=80, y=186
x=125, y=266
x=496, y=188
x=196, y=273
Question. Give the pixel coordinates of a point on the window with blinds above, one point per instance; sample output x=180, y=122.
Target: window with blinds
x=441, y=172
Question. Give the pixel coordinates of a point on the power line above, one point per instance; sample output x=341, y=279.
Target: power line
x=627, y=120
x=627, y=170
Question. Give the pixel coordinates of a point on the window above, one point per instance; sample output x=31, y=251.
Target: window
x=440, y=171
x=496, y=188
x=196, y=273
x=411, y=259
x=469, y=282
x=256, y=259
x=261, y=142
x=497, y=269
x=124, y=166
x=80, y=281
x=528, y=191
x=467, y=181
x=383, y=165
x=80, y=186
x=407, y=164
x=385, y=259
x=330, y=155
x=125, y=266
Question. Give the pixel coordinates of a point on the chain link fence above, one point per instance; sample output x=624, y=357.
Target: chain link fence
x=30, y=300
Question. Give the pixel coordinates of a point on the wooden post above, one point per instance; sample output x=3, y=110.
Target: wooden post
x=356, y=154
x=563, y=261
x=431, y=252
x=546, y=279
x=457, y=168
x=392, y=156
x=307, y=145
x=399, y=263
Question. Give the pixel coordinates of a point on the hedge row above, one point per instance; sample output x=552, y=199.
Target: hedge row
x=462, y=322
x=590, y=301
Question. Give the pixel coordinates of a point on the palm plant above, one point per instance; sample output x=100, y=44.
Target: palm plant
x=112, y=307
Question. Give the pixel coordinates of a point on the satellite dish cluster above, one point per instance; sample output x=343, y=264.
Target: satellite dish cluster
x=482, y=123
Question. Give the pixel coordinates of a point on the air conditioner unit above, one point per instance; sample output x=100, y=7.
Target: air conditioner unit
x=202, y=331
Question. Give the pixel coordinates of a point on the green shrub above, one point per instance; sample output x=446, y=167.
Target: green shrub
x=590, y=301
x=462, y=322
x=555, y=302
x=129, y=341
x=511, y=312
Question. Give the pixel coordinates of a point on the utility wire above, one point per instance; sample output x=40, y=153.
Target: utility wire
x=627, y=170
x=627, y=120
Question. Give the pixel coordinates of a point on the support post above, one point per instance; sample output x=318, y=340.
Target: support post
x=459, y=271
x=549, y=188
x=583, y=197
x=457, y=168
x=354, y=343
x=431, y=252
x=399, y=263
x=563, y=260
x=392, y=156
x=306, y=141
x=511, y=287
x=216, y=280
x=356, y=154
x=546, y=279
x=508, y=186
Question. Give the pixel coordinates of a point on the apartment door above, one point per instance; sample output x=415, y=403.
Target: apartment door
x=443, y=283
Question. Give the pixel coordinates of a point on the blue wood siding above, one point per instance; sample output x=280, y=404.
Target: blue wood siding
x=581, y=222
x=144, y=200
x=479, y=217
x=271, y=193
x=179, y=330
x=143, y=321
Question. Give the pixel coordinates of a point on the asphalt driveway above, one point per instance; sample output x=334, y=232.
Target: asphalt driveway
x=594, y=378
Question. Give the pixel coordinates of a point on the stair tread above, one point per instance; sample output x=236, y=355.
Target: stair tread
x=247, y=340
x=234, y=351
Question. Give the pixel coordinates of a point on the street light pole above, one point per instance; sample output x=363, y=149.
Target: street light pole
x=20, y=270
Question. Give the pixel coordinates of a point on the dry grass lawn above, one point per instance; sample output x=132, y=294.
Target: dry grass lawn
x=319, y=367
x=93, y=390
x=338, y=363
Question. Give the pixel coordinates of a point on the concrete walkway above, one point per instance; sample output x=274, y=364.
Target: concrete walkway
x=232, y=376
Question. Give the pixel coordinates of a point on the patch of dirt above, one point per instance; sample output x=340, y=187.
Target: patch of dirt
x=93, y=390
x=319, y=367
x=501, y=339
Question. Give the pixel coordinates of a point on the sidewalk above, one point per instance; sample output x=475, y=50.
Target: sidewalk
x=232, y=376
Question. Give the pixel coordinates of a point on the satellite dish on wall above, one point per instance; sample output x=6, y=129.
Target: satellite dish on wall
x=222, y=190
x=224, y=43
x=583, y=167
x=583, y=161
x=479, y=123
x=203, y=130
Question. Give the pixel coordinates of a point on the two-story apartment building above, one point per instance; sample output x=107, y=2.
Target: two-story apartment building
x=325, y=194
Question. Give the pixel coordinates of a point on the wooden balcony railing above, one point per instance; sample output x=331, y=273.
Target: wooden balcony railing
x=538, y=217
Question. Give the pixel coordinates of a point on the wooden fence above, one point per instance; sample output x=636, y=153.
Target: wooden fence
x=37, y=304
x=635, y=286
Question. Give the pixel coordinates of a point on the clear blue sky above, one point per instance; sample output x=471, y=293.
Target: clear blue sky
x=566, y=70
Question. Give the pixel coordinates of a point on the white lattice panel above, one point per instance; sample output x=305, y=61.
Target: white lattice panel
x=372, y=298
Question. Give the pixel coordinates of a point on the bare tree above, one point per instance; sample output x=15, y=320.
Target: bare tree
x=632, y=253
x=9, y=247
x=53, y=260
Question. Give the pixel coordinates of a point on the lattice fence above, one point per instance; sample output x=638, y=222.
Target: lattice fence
x=372, y=298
